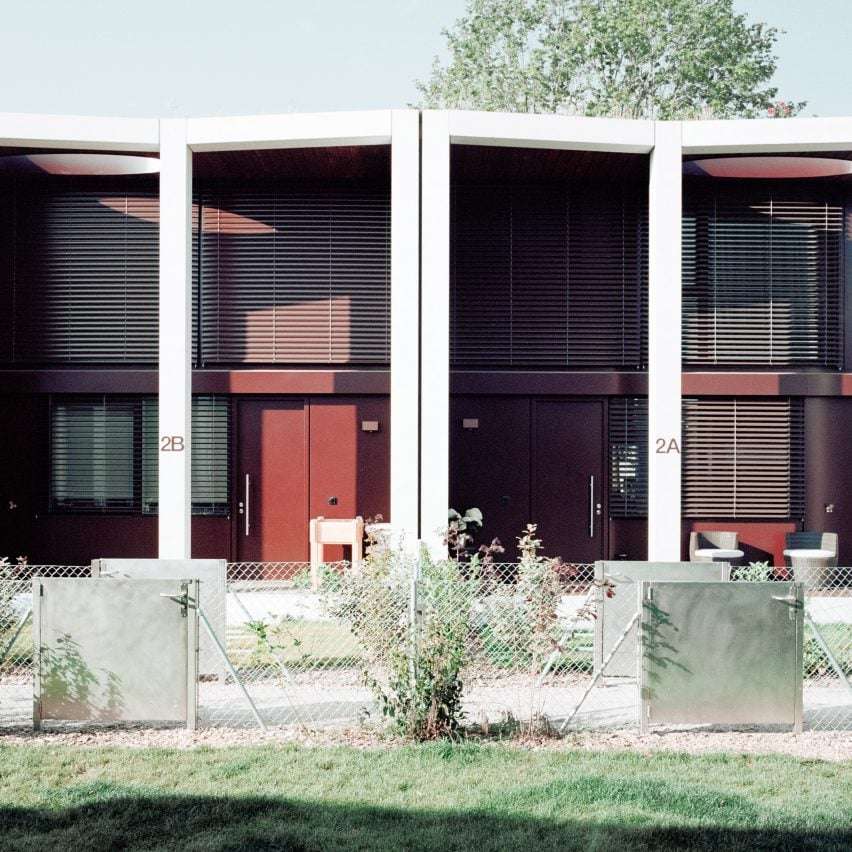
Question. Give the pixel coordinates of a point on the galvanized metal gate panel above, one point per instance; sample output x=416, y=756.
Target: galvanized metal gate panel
x=617, y=587
x=114, y=650
x=212, y=593
x=721, y=653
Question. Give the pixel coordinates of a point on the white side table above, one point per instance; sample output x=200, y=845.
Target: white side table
x=715, y=554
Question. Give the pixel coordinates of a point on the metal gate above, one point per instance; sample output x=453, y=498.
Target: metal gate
x=721, y=653
x=115, y=650
x=617, y=587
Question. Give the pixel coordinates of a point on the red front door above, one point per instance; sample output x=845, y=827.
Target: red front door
x=303, y=458
x=272, y=481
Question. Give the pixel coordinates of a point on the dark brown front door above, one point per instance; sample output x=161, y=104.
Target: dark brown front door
x=490, y=465
x=568, y=486
x=272, y=481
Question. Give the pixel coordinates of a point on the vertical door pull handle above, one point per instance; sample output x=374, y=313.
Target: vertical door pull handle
x=248, y=497
x=591, y=507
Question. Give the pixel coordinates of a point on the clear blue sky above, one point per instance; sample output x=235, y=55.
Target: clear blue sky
x=207, y=57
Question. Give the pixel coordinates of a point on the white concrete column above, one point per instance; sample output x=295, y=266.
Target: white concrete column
x=175, y=439
x=435, y=328
x=405, y=324
x=664, y=344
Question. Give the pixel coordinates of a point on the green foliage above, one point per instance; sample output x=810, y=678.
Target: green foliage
x=10, y=585
x=414, y=649
x=666, y=59
x=754, y=572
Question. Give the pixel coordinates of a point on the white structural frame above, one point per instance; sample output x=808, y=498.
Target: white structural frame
x=420, y=266
x=664, y=344
x=400, y=130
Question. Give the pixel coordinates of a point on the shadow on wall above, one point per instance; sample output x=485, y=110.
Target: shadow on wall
x=120, y=818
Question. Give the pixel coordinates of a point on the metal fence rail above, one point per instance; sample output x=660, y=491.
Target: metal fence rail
x=320, y=658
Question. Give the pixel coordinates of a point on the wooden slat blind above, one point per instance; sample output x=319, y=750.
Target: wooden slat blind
x=548, y=276
x=762, y=279
x=628, y=457
x=743, y=458
x=295, y=277
x=85, y=282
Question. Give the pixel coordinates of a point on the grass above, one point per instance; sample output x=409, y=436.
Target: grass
x=441, y=796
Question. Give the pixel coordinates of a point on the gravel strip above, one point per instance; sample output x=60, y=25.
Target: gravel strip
x=814, y=745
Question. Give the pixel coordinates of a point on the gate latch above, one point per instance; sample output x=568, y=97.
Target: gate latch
x=182, y=599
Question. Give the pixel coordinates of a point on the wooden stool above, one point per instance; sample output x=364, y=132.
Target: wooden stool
x=335, y=531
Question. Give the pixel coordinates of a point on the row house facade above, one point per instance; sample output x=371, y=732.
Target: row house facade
x=623, y=331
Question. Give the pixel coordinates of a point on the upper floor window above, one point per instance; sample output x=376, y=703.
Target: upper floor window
x=80, y=284
x=762, y=279
x=294, y=276
x=548, y=275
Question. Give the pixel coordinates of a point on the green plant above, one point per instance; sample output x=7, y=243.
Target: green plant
x=10, y=582
x=754, y=572
x=415, y=635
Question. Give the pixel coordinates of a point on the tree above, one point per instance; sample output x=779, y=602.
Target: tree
x=666, y=59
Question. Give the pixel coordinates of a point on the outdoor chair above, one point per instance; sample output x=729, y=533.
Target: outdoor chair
x=811, y=556
x=711, y=545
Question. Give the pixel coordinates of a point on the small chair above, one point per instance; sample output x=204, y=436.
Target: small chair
x=811, y=556
x=335, y=531
x=712, y=545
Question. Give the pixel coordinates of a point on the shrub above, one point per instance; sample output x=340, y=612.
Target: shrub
x=415, y=643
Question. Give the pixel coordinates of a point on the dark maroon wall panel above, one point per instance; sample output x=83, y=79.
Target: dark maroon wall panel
x=828, y=470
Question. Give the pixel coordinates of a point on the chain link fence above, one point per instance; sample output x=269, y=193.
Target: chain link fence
x=520, y=638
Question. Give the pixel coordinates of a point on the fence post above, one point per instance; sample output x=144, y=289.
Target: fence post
x=415, y=616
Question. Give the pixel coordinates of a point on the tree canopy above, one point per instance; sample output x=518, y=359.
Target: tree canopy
x=666, y=59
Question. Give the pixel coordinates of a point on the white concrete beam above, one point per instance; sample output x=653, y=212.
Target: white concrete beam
x=175, y=370
x=405, y=325
x=664, y=344
x=435, y=328
x=551, y=131
x=79, y=132
x=309, y=130
x=769, y=135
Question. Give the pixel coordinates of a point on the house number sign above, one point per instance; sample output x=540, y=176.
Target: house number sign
x=668, y=445
x=171, y=444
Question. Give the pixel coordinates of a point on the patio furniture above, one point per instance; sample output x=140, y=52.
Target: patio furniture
x=325, y=531
x=714, y=545
x=811, y=556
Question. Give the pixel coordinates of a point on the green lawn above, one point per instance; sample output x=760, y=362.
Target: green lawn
x=465, y=797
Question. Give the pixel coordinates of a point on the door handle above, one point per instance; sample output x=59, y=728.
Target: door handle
x=591, y=507
x=247, y=498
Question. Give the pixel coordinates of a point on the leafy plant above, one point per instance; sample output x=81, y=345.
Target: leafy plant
x=754, y=572
x=9, y=588
x=415, y=636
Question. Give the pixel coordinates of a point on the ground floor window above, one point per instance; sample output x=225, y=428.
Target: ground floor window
x=743, y=458
x=104, y=454
x=628, y=457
